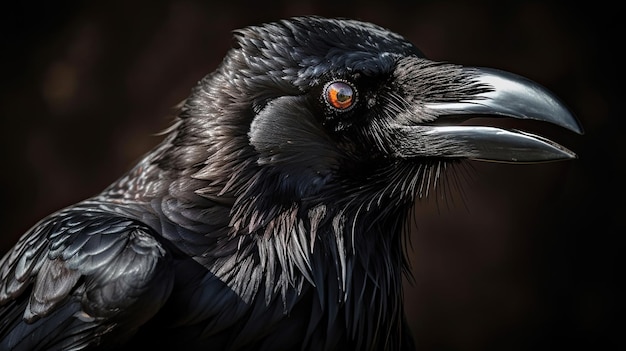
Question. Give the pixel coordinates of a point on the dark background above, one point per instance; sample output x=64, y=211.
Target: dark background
x=525, y=257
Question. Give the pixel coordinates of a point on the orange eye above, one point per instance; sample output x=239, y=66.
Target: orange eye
x=340, y=95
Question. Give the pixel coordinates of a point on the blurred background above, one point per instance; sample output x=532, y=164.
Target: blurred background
x=525, y=257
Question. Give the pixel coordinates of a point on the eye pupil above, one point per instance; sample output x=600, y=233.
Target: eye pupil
x=340, y=95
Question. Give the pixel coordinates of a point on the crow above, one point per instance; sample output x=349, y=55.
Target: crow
x=272, y=216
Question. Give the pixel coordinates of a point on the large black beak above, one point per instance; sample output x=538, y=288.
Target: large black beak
x=503, y=94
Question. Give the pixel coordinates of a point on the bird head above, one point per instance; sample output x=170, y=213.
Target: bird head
x=315, y=106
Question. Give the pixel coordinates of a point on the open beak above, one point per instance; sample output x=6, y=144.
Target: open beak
x=504, y=95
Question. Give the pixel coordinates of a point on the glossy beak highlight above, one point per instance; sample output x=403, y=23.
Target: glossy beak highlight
x=506, y=95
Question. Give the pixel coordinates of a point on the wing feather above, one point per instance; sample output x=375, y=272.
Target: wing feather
x=81, y=277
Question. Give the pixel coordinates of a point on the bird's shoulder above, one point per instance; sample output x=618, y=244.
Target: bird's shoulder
x=78, y=271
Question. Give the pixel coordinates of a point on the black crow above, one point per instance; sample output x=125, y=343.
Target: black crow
x=272, y=215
